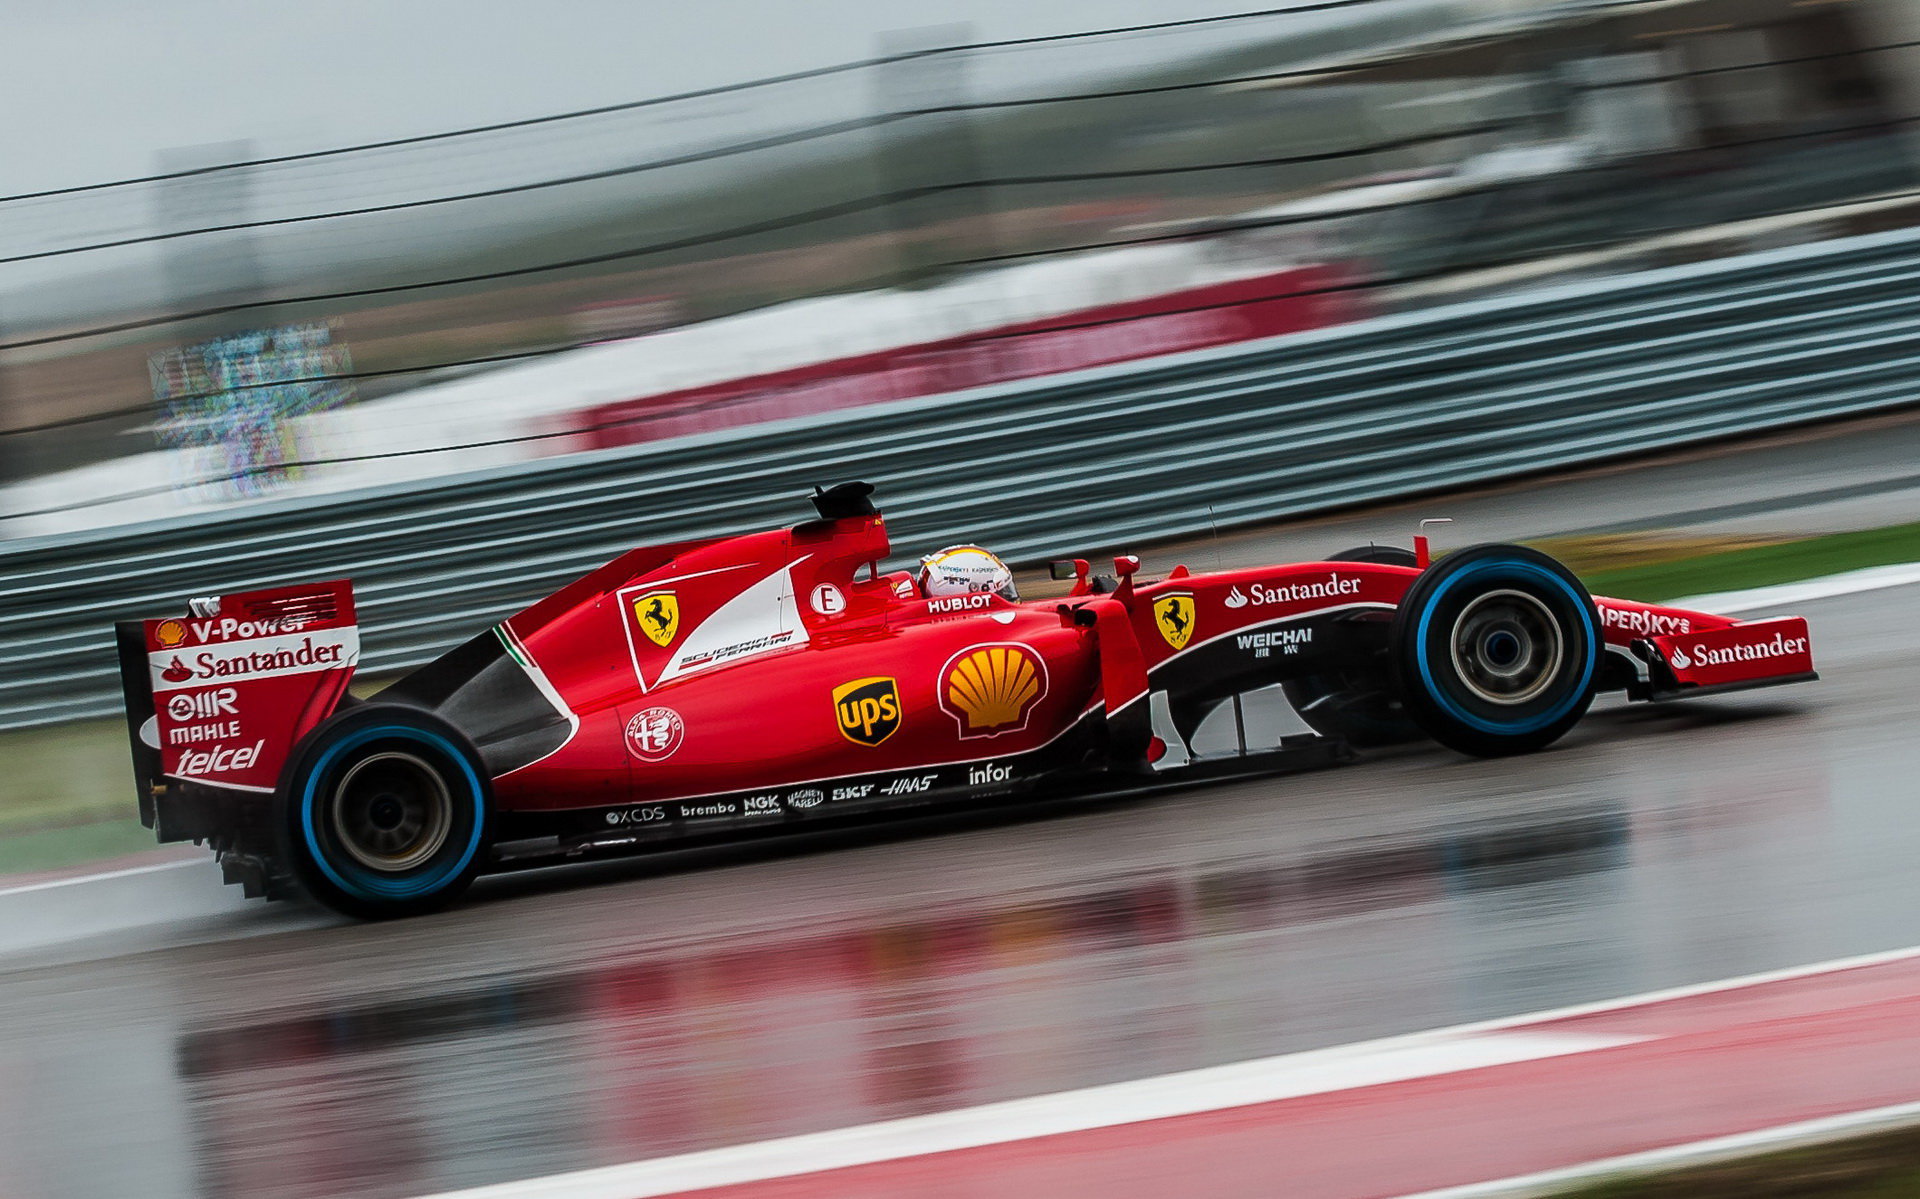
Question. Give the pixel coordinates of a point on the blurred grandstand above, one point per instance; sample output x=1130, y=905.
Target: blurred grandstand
x=237, y=327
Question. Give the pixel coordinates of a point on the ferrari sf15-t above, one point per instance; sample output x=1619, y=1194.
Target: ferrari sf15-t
x=729, y=687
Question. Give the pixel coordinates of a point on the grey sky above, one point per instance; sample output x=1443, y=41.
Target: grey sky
x=96, y=87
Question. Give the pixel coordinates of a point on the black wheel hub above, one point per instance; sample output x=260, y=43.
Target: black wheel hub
x=391, y=811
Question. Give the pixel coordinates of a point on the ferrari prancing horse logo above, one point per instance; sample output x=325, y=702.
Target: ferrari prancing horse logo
x=658, y=615
x=1173, y=616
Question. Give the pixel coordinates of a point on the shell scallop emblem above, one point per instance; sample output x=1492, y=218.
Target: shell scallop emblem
x=993, y=689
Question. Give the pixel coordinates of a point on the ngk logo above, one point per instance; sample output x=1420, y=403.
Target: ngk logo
x=203, y=705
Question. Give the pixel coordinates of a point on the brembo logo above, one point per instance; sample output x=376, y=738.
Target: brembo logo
x=1779, y=646
x=1259, y=594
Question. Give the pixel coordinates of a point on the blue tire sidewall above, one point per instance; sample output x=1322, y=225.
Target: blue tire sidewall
x=1531, y=572
x=366, y=885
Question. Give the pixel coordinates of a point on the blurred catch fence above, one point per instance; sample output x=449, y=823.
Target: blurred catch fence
x=1440, y=399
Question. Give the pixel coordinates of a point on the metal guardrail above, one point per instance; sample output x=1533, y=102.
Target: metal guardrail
x=1101, y=458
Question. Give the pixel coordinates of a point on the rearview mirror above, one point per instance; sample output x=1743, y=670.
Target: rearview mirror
x=1066, y=568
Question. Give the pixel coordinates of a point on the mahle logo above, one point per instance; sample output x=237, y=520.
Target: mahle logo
x=868, y=710
x=659, y=616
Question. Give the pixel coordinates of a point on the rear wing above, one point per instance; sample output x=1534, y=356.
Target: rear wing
x=219, y=696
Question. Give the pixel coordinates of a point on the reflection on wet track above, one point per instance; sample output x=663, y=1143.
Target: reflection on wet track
x=610, y=1013
x=643, y=1055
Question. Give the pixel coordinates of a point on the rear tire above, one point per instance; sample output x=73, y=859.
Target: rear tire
x=384, y=812
x=1360, y=704
x=1496, y=650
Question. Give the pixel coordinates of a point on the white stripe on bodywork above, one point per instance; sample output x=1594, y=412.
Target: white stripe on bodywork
x=523, y=658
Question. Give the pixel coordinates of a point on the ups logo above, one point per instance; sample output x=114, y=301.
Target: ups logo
x=868, y=710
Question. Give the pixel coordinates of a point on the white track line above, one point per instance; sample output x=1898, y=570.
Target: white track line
x=1315, y=1072
x=102, y=877
x=1781, y=595
x=1699, y=1153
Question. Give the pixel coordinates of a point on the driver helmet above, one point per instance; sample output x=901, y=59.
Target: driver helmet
x=965, y=570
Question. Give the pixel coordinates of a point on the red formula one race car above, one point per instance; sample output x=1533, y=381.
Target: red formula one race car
x=717, y=689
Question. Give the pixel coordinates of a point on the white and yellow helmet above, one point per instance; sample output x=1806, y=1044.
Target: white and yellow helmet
x=965, y=570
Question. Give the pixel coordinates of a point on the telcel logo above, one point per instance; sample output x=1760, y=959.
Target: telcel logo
x=220, y=759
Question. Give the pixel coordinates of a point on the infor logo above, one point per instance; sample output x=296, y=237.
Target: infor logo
x=868, y=710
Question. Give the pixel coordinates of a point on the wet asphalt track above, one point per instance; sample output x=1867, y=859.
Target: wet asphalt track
x=629, y=1010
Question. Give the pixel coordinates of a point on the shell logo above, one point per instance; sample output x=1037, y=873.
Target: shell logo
x=170, y=633
x=993, y=689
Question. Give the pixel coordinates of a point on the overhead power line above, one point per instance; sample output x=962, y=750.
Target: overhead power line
x=724, y=89
x=1225, y=225
x=812, y=216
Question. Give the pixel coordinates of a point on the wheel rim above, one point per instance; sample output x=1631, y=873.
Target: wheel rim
x=1507, y=647
x=392, y=811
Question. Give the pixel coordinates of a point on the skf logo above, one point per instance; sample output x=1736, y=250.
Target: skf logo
x=659, y=617
x=992, y=689
x=1173, y=616
x=170, y=633
x=868, y=710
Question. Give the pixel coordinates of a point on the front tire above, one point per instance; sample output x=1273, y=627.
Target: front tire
x=1496, y=650
x=384, y=812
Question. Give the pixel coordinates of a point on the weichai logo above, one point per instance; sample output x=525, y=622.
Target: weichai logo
x=867, y=710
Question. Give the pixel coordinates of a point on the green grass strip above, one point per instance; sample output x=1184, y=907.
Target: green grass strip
x=1761, y=566
x=58, y=848
x=1882, y=1166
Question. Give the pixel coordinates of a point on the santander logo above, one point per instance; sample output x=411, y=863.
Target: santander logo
x=1777, y=646
x=1262, y=594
